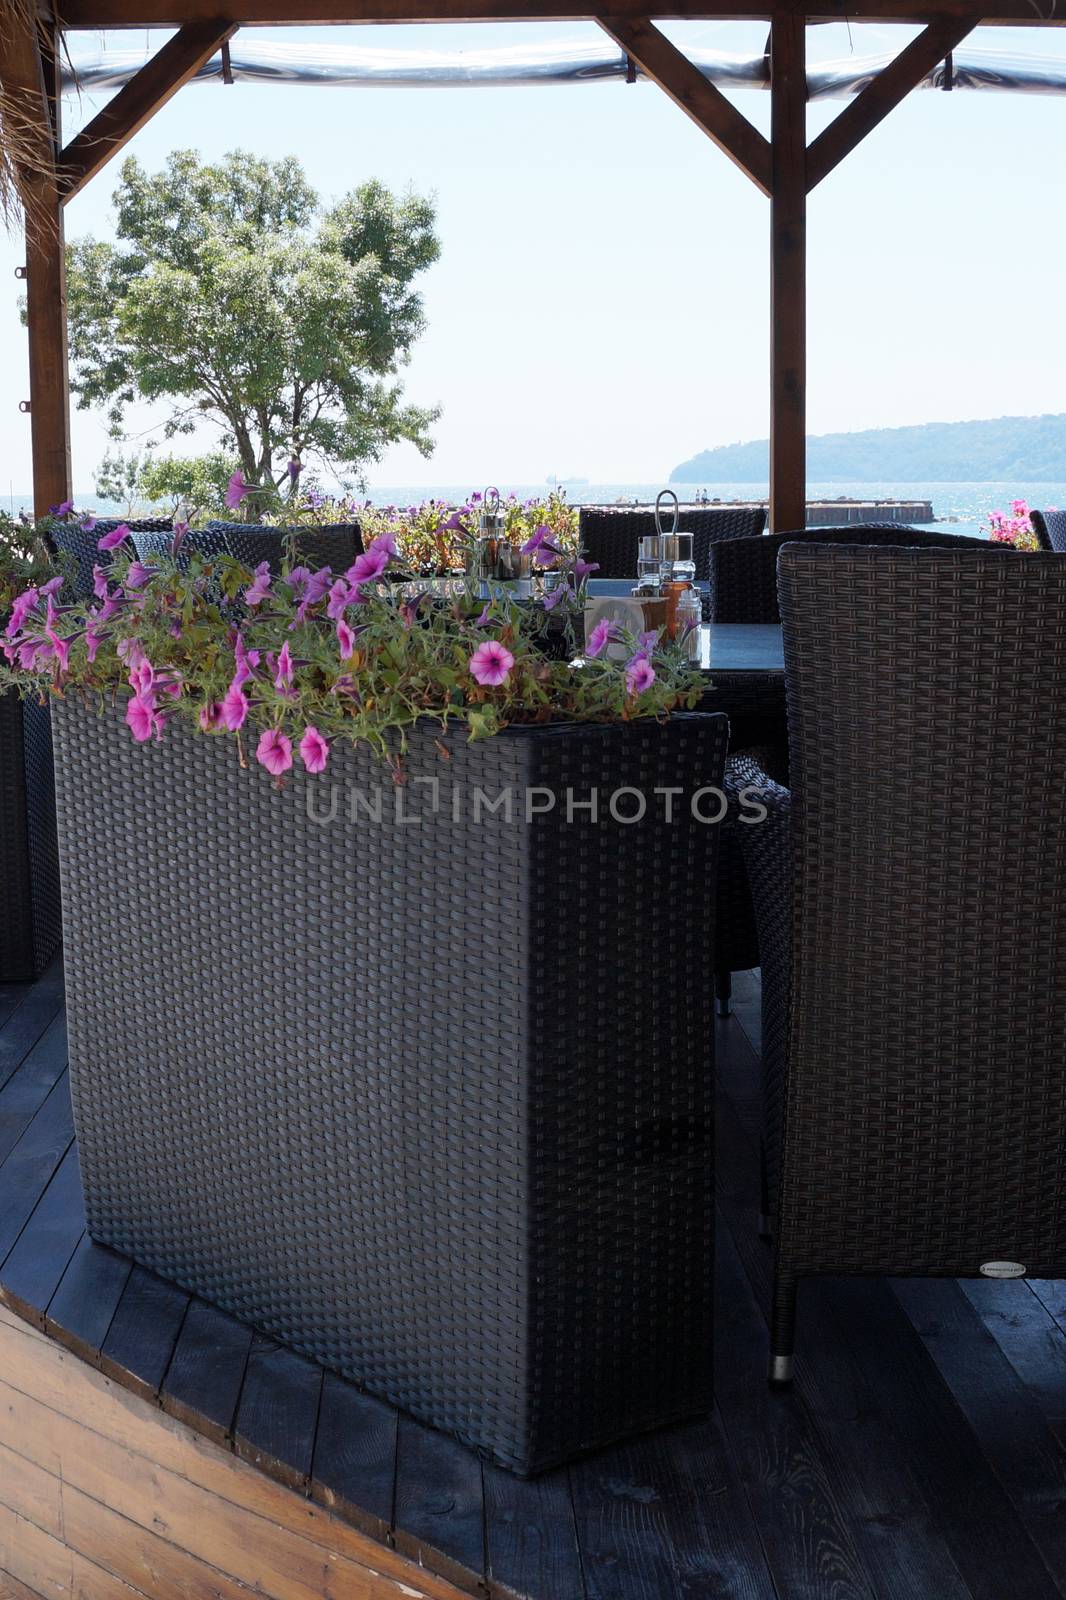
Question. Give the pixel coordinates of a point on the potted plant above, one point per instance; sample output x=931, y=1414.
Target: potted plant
x=390, y=980
x=29, y=865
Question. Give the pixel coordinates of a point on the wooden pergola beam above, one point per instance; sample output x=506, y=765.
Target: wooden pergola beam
x=693, y=94
x=138, y=100
x=312, y=13
x=873, y=105
x=29, y=75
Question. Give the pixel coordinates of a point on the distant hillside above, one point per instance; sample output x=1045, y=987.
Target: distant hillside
x=1001, y=450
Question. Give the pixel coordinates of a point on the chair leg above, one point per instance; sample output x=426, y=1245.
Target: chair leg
x=782, y=1330
x=723, y=988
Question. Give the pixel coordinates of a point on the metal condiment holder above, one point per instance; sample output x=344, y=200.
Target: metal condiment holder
x=660, y=554
x=500, y=567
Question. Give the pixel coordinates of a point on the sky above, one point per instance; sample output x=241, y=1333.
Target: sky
x=600, y=307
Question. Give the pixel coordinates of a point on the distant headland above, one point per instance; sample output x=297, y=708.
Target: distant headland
x=1000, y=450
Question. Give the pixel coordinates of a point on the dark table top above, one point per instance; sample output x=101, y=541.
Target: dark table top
x=724, y=646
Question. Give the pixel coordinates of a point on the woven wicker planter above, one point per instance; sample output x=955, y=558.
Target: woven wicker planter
x=429, y=1102
x=29, y=868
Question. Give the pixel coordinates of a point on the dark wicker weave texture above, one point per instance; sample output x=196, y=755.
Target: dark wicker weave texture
x=333, y=545
x=430, y=1103
x=29, y=871
x=609, y=535
x=85, y=546
x=1050, y=527
x=925, y=1099
x=743, y=575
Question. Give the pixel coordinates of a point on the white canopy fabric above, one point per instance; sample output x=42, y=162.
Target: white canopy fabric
x=352, y=67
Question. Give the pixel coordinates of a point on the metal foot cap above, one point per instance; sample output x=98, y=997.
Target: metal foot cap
x=780, y=1369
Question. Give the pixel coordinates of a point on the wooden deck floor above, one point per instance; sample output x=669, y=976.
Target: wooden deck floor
x=920, y=1456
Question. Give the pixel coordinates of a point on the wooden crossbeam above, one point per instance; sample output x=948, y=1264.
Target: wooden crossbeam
x=309, y=13
x=697, y=98
x=138, y=100
x=891, y=85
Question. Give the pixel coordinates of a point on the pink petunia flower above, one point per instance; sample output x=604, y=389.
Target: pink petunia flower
x=24, y=603
x=640, y=675
x=138, y=575
x=211, y=716
x=345, y=640
x=604, y=633
x=234, y=708
x=237, y=489
x=142, y=719
x=314, y=750
x=283, y=679
x=259, y=589
x=274, y=751
x=112, y=540
x=99, y=583
x=491, y=663
x=369, y=566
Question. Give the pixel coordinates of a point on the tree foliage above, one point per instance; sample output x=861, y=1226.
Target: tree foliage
x=230, y=294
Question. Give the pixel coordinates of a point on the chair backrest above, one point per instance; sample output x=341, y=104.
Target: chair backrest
x=85, y=546
x=743, y=573
x=333, y=545
x=1050, y=528
x=609, y=534
x=925, y=1106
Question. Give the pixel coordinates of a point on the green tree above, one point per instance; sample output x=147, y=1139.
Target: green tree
x=230, y=294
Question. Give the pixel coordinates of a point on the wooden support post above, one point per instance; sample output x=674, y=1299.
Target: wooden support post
x=788, y=275
x=29, y=74
x=46, y=312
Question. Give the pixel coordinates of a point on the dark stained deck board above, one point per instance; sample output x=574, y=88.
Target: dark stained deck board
x=41, y=1254
x=354, y=1469
x=920, y=1456
x=278, y=1411
x=206, y=1372
x=143, y=1333
x=83, y=1307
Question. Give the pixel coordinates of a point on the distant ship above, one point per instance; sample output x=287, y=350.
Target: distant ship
x=558, y=483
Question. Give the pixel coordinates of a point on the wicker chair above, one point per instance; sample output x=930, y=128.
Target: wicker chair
x=1050, y=528
x=609, y=534
x=914, y=924
x=743, y=577
x=333, y=545
x=85, y=546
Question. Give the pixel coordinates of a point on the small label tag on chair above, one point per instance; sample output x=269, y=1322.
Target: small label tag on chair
x=1002, y=1269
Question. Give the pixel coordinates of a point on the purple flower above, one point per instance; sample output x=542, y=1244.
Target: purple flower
x=143, y=719
x=345, y=640
x=259, y=589
x=314, y=750
x=584, y=569
x=640, y=675
x=211, y=716
x=93, y=641
x=246, y=661
x=552, y=598
x=603, y=634
x=283, y=679
x=130, y=651
x=53, y=586
x=536, y=539
x=64, y=508
x=87, y=523
x=180, y=529
x=99, y=583
x=112, y=540
x=318, y=586
x=294, y=468
x=340, y=597
x=274, y=751
x=234, y=708
x=409, y=610
x=24, y=603
x=237, y=489
x=485, y=619
x=369, y=566
x=138, y=574
x=647, y=641
x=491, y=663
